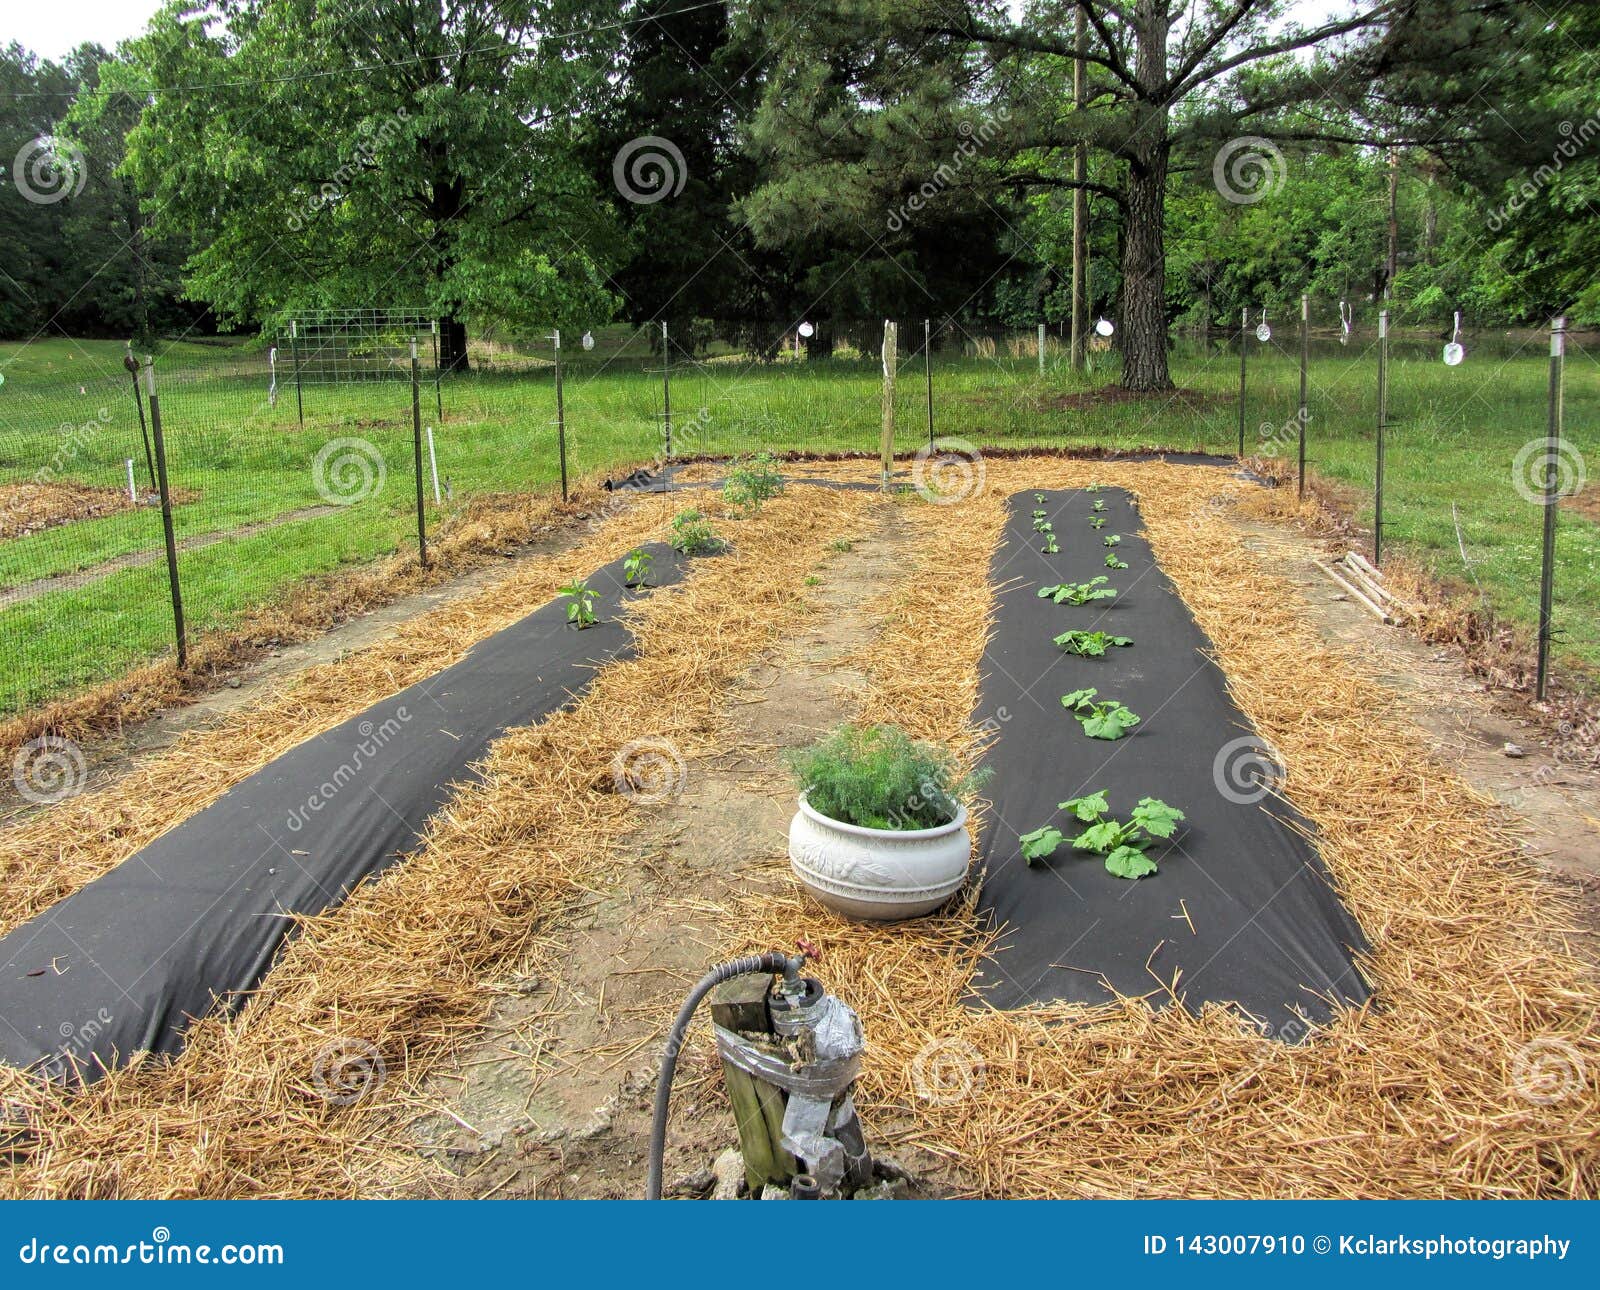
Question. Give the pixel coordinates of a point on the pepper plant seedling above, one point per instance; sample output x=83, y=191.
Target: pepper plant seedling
x=1078, y=593
x=1122, y=845
x=580, y=612
x=636, y=568
x=1113, y=563
x=1090, y=644
x=1107, y=719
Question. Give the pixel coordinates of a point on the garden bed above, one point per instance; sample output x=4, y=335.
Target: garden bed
x=1425, y=1092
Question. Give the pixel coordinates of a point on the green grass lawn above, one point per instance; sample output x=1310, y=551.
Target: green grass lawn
x=67, y=413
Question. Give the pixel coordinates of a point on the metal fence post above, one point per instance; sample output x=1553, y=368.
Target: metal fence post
x=1550, y=497
x=1305, y=363
x=166, y=512
x=666, y=385
x=438, y=397
x=890, y=363
x=1041, y=349
x=132, y=364
x=1244, y=351
x=416, y=450
x=1383, y=426
x=294, y=357
x=561, y=416
x=927, y=367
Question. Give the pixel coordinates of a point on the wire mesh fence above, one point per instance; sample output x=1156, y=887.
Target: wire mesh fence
x=296, y=457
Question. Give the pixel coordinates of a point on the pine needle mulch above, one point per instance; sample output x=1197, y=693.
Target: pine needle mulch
x=404, y=970
x=1473, y=1071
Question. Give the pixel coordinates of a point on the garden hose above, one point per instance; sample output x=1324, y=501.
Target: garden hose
x=771, y=963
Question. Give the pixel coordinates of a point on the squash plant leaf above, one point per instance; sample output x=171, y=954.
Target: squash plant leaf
x=1108, y=721
x=1129, y=862
x=1087, y=809
x=1104, y=836
x=1041, y=844
x=1156, y=818
x=1113, y=563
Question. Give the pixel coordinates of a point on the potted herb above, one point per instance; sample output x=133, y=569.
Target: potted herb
x=881, y=830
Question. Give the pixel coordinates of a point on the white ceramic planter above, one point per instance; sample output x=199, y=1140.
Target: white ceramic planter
x=878, y=874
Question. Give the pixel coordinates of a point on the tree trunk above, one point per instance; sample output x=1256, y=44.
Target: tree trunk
x=1144, y=277
x=1144, y=247
x=1080, y=213
x=452, y=345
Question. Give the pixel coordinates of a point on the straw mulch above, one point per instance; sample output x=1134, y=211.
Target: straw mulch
x=407, y=964
x=482, y=529
x=50, y=853
x=1474, y=1071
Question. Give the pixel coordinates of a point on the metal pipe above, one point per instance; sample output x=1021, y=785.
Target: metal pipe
x=1551, y=495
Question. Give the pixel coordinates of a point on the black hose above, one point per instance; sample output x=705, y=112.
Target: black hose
x=751, y=964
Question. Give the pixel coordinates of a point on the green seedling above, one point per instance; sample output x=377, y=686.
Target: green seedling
x=636, y=568
x=1099, y=505
x=751, y=482
x=1041, y=525
x=692, y=534
x=1111, y=539
x=1038, y=497
x=1039, y=513
x=580, y=612
x=1078, y=593
x=1113, y=563
x=1050, y=545
x=1108, y=719
x=1122, y=845
x=1098, y=521
x=842, y=545
x=1093, y=488
x=1090, y=644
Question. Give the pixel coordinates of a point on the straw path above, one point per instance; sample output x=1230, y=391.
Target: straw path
x=406, y=965
x=1423, y=1093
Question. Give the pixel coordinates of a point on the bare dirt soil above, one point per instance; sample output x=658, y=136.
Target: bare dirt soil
x=1484, y=735
x=555, y=1099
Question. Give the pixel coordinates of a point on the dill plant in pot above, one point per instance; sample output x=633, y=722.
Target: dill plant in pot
x=881, y=829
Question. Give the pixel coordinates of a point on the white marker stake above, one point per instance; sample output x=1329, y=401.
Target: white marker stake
x=1041, y=349
x=133, y=493
x=433, y=465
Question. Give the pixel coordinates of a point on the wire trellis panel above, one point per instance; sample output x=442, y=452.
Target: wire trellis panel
x=343, y=346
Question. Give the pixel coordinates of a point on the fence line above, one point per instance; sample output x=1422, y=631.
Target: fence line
x=237, y=497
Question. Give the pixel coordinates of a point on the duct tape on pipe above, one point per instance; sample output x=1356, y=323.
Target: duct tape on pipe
x=825, y=1078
